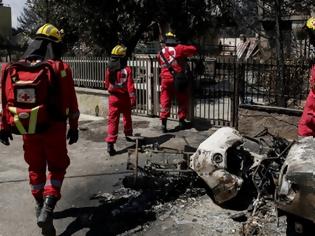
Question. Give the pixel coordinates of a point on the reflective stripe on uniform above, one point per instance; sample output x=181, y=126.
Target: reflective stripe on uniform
x=33, y=120
x=54, y=182
x=17, y=121
x=37, y=186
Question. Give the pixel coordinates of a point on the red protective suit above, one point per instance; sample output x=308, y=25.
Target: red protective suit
x=48, y=148
x=175, y=56
x=121, y=100
x=306, y=125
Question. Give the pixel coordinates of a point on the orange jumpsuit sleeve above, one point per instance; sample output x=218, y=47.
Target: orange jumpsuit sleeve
x=185, y=50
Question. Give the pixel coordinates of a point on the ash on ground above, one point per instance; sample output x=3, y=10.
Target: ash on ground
x=190, y=214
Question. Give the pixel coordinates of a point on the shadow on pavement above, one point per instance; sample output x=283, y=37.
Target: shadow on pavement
x=121, y=212
x=201, y=125
x=129, y=208
x=113, y=217
x=110, y=218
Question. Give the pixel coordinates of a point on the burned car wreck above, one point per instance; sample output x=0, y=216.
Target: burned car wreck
x=212, y=162
x=254, y=175
x=269, y=169
x=295, y=195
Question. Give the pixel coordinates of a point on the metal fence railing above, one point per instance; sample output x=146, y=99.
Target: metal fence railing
x=211, y=102
x=88, y=72
x=215, y=94
x=259, y=84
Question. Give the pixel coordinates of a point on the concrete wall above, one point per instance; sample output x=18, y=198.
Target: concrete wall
x=92, y=101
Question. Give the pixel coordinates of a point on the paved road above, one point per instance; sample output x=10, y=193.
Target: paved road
x=91, y=171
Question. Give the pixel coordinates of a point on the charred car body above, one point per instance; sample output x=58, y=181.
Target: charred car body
x=240, y=173
x=266, y=167
x=295, y=195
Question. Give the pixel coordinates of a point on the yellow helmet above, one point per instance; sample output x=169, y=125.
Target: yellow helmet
x=170, y=39
x=119, y=50
x=310, y=23
x=50, y=32
x=170, y=35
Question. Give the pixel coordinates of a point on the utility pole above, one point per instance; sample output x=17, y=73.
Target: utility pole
x=280, y=82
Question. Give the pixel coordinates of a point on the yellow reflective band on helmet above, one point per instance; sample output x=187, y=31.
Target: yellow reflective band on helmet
x=51, y=32
x=63, y=73
x=119, y=50
x=33, y=120
x=311, y=23
x=17, y=121
x=170, y=34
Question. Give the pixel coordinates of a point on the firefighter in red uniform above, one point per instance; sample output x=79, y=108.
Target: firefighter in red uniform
x=120, y=85
x=46, y=148
x=176, y=55
x=306, y=125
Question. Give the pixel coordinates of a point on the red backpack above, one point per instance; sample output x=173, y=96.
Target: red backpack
x=30, y=96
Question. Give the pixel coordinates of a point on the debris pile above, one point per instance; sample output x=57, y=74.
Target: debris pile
x=238, y=172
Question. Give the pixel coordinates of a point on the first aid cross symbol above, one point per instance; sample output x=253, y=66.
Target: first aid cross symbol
x=25, y=97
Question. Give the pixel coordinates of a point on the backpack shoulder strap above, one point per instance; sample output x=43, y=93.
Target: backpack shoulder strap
x=169, y=67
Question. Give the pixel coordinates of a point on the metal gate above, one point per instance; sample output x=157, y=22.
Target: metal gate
x=212, y=93
x=215, y=93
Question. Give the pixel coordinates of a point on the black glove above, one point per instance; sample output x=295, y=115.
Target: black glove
x=73, y=136
x=5, y=136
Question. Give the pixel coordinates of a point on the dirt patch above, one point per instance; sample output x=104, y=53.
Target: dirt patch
x=96, y=130
x=252, y=122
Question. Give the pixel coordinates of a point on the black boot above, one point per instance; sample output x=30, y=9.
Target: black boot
x=38, y=207
x=163, y=127
x=110, y=149
x=45, y=218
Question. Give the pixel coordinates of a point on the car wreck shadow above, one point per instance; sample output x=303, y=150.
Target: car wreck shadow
x=110, y=218
x=201, y=125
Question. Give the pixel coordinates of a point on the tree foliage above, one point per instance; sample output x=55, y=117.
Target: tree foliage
x=104, y=23
x=98, y=25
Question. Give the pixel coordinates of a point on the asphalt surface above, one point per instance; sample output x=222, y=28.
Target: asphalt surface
x=91, y=172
